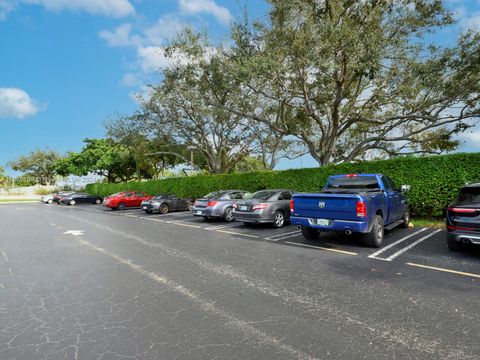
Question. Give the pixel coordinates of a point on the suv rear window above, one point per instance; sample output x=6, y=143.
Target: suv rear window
x=468, y=196
x=354, y=183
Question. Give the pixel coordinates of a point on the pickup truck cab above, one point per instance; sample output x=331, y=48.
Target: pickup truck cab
x=353, y=203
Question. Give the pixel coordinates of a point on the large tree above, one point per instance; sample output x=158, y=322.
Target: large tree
x=358, y=79
x=38, y=164
x=102, y=157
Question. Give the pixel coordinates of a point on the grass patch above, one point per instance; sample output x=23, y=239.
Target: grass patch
x=433, y=223
x=17, y=200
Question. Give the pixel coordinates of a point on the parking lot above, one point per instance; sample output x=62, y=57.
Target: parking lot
x=85, y=282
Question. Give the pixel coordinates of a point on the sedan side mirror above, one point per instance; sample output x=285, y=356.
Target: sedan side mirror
x=405, y=188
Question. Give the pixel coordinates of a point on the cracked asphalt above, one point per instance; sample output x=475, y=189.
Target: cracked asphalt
x=83, y=283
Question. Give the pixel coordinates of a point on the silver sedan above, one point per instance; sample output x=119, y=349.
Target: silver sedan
x=218, y=204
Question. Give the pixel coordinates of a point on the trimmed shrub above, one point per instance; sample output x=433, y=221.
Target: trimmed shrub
x=434, y=180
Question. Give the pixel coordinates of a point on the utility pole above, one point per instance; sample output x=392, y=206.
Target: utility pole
x=191, y=148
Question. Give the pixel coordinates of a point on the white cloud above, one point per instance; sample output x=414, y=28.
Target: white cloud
x=471, y=139
x=120, y=36
x=164, y=29
x=112, y=8
x=193, y=7
x=131, y=80
x=16, y=103
x=152, y=58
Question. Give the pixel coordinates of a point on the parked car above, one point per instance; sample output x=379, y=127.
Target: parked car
x=80, y=198
x=463, y=218
x=124, y=199
x=164, y=203
x=47, y=199
x=353, y=203
x=57, y=197
x=218, y=204
x=265, y=206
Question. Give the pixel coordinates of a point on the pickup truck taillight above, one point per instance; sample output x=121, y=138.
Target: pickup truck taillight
x=361, y=209
x=292, y=206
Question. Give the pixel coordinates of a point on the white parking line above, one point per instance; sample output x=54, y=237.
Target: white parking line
x=445, y=270
x=415, y=243
x=375, y=254
x=183, y=224
x=218, y=227
x=322, y=248
x=235, y=233
x=275, y=237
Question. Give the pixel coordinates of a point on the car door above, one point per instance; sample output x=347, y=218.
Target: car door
x=139, y=197
x=174, y=202
x=128, y=199
x=394, y=201
x=285, y=198
x=401, y=201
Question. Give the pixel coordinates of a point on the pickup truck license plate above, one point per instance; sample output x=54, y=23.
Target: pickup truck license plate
x=321, y=222
x=243, y=208
x=199, y=212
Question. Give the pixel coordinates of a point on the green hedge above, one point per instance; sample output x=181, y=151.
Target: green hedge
x=434, y=180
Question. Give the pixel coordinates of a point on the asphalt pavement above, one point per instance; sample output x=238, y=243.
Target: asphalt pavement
x=88, y=283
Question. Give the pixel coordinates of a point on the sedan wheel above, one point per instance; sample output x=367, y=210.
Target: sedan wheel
x=72, y=202
x=121, y=206
x=50, y=201
x=164, y=209
x=228, y=215
x=278, y=219
x=190, y=206
x=98, y=201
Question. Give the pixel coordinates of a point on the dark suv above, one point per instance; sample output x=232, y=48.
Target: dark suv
x=463, y=218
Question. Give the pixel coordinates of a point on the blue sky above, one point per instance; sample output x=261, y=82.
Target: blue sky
x=67, y=65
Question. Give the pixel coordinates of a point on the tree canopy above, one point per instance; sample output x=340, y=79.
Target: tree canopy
x=39, y=165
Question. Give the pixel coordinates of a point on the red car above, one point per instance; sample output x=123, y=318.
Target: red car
x=125, y=199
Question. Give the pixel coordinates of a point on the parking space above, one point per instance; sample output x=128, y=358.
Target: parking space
x=422, y=248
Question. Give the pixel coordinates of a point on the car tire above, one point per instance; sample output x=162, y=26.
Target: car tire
x=50, y=202
x=121, y=206
x=310, y=233
x=98, y=201
x=454, y=245
x=72, y=202
x=228, y=215
x=375, y=237
x=164, y=209
x=406, y=220
x=278, y=219
x=190, y=206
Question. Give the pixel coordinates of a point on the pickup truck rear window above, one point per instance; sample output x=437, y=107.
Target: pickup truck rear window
x=469, y=196
x=354, y=183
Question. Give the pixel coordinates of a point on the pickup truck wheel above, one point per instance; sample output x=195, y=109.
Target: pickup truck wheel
x=406, y=220
x=454, y=245
x=375, y=237
x=310, y=234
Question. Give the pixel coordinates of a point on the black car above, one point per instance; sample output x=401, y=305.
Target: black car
x=164, y=203
x=463, y=218
x=57, y=197
x=80, y=198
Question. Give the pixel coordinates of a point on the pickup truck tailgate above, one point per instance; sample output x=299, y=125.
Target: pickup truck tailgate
x=326, y=206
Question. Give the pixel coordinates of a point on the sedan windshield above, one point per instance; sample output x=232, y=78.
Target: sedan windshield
x=353, y=183
x=262, y=195
x=215, y=194
x=161, y=196
x=468, y=196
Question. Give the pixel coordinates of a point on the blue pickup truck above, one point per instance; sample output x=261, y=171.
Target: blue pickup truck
x=353, y=203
